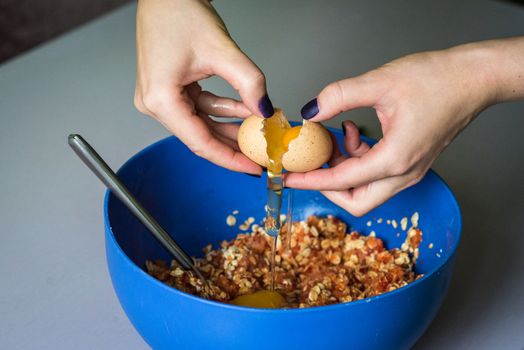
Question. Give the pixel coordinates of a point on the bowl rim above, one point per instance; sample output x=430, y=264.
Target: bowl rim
x=135, y=268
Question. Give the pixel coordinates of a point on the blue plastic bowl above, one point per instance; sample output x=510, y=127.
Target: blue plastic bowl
x=191, y=198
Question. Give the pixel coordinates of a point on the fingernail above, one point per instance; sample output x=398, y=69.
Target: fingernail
x=266, y=107
x=310, y=109
x=343, y=128
x=253, y=175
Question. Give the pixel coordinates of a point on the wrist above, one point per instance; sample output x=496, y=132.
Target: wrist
x=475, y=65
x=494, y=69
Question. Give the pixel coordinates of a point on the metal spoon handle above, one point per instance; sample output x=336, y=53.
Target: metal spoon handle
x=98, y=166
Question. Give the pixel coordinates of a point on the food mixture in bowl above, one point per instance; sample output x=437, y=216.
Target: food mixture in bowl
x=319, y=263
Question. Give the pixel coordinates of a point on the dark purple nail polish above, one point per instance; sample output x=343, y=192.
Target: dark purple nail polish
x=310, y=109
x=343, y=129
x=254, y=175
x=266, y=107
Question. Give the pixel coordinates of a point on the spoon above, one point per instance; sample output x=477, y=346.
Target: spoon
x=100, y=168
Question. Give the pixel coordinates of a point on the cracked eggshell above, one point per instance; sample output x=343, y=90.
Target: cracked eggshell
x=252, y=141
x=310, y=150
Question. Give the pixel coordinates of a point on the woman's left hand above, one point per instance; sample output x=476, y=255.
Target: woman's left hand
x=422, y=102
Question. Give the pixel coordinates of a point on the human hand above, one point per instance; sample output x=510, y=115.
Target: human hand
x=422, y=102
x=180, y=42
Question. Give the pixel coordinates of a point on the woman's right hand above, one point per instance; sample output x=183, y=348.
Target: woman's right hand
x=180, y=42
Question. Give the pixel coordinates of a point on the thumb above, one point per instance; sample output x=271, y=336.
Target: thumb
x=343, y=95
x=244, y=75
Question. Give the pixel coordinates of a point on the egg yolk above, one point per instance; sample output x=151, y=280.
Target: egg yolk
x=290, y=135
x=278, y=134
x=262, y=299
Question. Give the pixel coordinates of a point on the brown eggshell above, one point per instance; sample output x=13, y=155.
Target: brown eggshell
x=310, y=150
x=252, y=141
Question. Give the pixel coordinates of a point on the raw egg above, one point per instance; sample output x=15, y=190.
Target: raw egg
x=263, y=299
x=274, y=144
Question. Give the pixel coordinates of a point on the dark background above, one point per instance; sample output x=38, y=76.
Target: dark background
x=27, y=23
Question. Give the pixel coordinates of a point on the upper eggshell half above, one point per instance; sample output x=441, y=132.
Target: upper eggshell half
x=310, y=150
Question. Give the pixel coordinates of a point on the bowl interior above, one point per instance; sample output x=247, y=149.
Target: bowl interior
x=191, y=198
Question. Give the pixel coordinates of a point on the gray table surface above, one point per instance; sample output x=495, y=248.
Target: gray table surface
x=55, y=291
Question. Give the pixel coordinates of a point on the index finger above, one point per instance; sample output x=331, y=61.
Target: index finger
x=349, y=173
x=179, y=116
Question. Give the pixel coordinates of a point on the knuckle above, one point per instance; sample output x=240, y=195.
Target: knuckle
x=335, y=91
x=355, y=207
x=158, y=100
x=418, y=176
x=197, y=150
x=399, y=167
x=254, y=78
x=415, y=177
x=358, y=210
x=137, y=101
x=202, y=148
x=400, y=161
